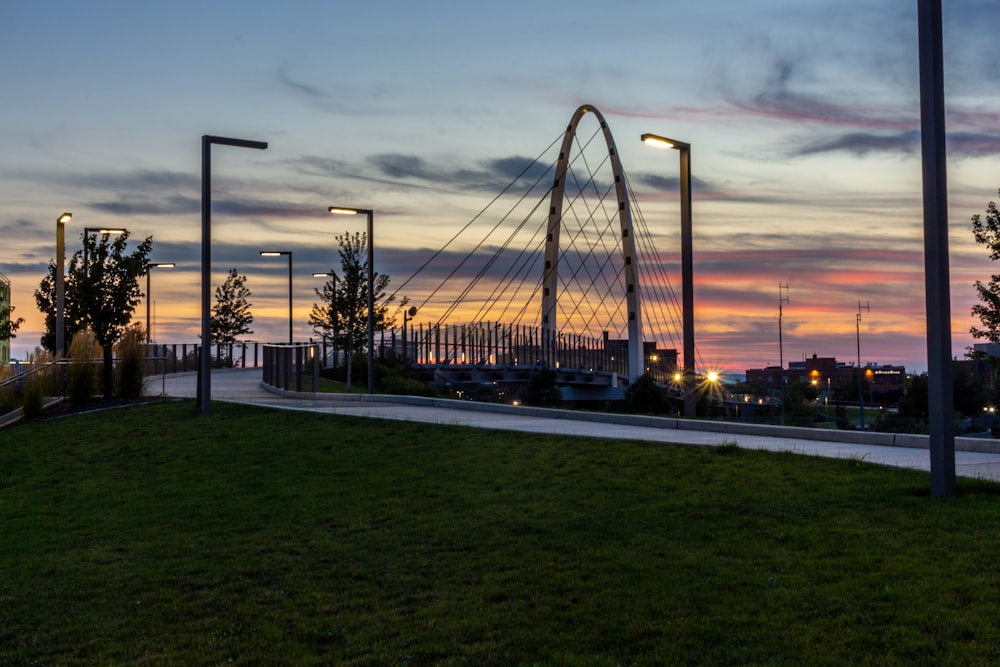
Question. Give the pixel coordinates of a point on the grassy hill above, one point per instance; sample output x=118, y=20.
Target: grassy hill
x=156, y=536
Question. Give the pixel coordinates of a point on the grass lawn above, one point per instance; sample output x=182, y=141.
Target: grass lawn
x=155, y=536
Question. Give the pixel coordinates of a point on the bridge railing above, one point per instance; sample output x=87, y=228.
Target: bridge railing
x=183, y=357
x=492, y=343
x=292, y=366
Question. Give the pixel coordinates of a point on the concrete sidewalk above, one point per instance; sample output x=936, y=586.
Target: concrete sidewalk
x=243, y=386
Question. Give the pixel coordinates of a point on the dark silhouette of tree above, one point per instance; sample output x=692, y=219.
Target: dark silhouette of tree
x=644, y=396
x=8, y=325
x=542, y=391
x=342, y=312
x=231, y=315
x=987, y=232
x=107, y=291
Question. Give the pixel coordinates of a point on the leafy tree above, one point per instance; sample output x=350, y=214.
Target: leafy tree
x=231, y=315
x=342, y=312
x=100, y=296
x=800, y=405
x=108, y=291
x=987, y=232
x=8, y=325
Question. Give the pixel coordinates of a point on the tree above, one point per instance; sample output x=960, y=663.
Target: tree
x=108, y=291
x=342, y=313
x=8, y=325
x=644, y=396
x=231, y=315
x=987, y=232
x=101, y=295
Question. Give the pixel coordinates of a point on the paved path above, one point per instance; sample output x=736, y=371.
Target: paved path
x=243, y=386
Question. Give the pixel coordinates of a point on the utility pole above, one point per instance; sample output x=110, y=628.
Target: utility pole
x=861, y=393
x=781, y=349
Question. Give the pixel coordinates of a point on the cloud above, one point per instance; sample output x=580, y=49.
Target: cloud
x=864, y=143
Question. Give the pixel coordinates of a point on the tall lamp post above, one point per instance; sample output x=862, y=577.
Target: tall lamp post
x=149, y=291
x=337, y=210
x=279, y=253
x=333, y=279
x=60, y=343
x=687, y=266
x=937, y=286
x=205, y=363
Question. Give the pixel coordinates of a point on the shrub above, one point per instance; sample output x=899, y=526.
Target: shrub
x=36, y=385
x=404, y=386
x=8, y=401
x=83, y=371
x=131, y=353
x=644, y=396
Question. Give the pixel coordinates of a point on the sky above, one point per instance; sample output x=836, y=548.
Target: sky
x=803, y=116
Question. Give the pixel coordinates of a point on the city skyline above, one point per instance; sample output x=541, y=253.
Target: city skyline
x=803, y=120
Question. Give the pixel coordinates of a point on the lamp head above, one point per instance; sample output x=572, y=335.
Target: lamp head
x=64, y=218
x=663, y=142
x=342, y=210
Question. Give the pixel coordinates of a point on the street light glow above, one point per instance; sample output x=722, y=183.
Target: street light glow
x=272, y=253
x=713, y=376
x=663, y=142
x=64, y=218
x=337, y=210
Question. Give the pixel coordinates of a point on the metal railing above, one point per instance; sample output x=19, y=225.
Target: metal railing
x=292, y=366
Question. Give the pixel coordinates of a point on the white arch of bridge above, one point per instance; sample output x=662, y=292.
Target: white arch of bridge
x=550, y=280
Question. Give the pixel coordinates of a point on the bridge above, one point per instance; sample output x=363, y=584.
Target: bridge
x=569, y=278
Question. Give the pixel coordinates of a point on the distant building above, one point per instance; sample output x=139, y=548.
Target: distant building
x=880, y=381
x=661, y=364
x=4, y=304
x=984, y=362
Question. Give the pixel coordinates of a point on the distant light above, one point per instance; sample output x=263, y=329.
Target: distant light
x=322, y=275
x=112, y=231
x=163, y=265
x=713, y=376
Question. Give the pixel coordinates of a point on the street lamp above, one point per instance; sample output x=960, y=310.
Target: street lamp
x=60, y=343
x=333, y=279
x=687, y=265
x=279, y=253
x=337, y=210
x=99, y=230
x=937, y=281
x=149, y=298
x=205, y=364
x=408, y=314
